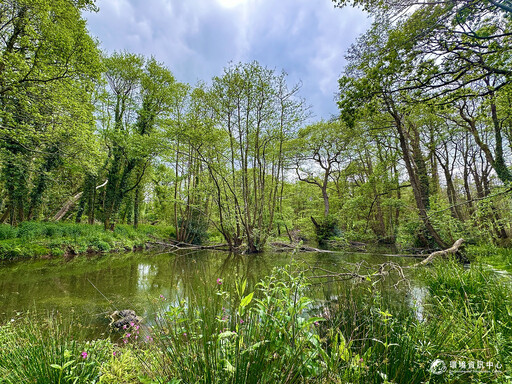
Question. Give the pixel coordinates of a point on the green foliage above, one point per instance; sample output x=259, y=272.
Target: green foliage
x=327, y=229
x=123, y=367
x=262, y=336
x=40, y=350
x=7, y=231
x=36, y=239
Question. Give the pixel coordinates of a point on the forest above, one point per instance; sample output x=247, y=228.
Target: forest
x=419, y=154
x=107, y=152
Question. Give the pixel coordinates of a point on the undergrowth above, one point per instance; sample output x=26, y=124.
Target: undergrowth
x=453, y=328
x=37, y=239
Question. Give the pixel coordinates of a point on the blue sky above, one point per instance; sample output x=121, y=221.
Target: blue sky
x=196, y=39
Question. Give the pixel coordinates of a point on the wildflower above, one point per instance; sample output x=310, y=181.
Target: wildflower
x=125, y=341
x=149, y=338
x=125, y=326
x=162, y=297
x=185, y=334
x=132, y=324
x=84, y=355
x=219, y=281
x=241, y=321
x=137, y=328
x=128, y=335
x=317, y=323
x=114, y=353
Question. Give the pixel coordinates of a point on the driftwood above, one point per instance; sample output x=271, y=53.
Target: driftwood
x=66, y=207
x=363, y=271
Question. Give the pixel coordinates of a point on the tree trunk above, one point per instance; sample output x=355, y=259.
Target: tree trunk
x=419, y=188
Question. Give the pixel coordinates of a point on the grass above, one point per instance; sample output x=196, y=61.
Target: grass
x=42, y=351
x=38, y=239
x=274, y=332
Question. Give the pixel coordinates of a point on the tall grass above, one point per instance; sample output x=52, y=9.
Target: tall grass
x=41, y=350
x=274, y=332
x=259, y=337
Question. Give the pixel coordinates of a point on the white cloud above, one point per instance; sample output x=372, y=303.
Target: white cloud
x=196, y=39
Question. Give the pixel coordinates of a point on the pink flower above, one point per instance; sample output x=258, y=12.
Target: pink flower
x=125, y=326
x=84, y=355
x=114, y=353
x=128, y=335
x=162, y=297
x=219, y=281
x=132, y=324
x=241, y=321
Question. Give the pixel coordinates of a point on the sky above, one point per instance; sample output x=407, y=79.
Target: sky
x=197, y=39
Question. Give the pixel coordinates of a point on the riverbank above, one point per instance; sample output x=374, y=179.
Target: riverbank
x=265, y=334
x=43, y=240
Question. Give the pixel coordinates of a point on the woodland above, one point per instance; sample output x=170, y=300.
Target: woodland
x=108, y=151
x=419, y=154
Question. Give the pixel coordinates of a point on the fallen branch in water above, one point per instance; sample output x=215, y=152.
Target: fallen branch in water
x=178, y=245
x=450, y=251
x=364, y=272
x=283, y=247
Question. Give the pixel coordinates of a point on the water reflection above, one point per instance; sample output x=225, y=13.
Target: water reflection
x=146, y=274
x=93, y=288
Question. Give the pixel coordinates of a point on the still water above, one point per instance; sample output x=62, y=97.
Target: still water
x=90, y=288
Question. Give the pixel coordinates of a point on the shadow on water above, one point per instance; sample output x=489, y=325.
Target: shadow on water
x=89, y=289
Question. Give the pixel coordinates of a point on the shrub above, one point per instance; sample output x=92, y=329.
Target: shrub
x=7, y=232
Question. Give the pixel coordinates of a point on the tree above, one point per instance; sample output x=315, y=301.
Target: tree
x=317, y=150
x=254, y=112
x=136, y=105
x=48, y=67
x=371, y=75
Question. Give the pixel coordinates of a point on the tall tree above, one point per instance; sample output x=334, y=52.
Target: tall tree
x=255, y=112
x=135, y=107
x=48, y=66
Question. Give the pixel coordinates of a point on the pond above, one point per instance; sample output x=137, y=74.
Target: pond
x=88, y=289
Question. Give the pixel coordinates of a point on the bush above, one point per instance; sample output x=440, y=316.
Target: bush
x=7, y=232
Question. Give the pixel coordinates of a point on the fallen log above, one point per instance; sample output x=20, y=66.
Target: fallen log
x=177, y=245
x=450, y=251
x=67, y=206
x=282, y=247
x=382, y=271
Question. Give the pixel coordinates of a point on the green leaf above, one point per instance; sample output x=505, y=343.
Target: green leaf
x=227, y=334
x=246, y=300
